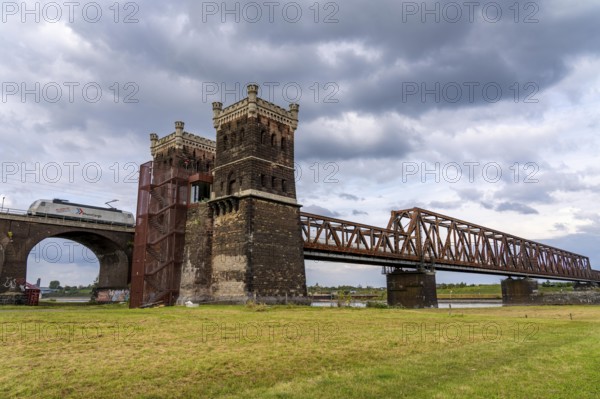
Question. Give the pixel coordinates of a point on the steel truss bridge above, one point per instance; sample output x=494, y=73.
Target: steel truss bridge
x=417, y=238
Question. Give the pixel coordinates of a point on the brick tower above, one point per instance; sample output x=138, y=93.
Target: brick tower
x=257, y=248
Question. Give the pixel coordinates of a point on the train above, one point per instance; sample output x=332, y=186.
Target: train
x=63, y=209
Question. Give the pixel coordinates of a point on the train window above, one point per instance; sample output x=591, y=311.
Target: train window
x=43, y=204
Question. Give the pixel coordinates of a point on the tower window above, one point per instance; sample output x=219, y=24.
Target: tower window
x=231, y=187
x=263, y=181
x=263, y=136
x=283, y=143
x=230, y=183
x=283, y=185
x=273, y=181
x=273, y=140
x=225, y=142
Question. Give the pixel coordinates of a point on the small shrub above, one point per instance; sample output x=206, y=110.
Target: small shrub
x=378, y=305
x=256, y=306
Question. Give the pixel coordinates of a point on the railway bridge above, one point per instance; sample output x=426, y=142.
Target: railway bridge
x=19, y=233
x=219, y=221
x=416, y=242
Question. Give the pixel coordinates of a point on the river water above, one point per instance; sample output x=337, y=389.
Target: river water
x=68, y=299
x=441, y=304
x=355, y=304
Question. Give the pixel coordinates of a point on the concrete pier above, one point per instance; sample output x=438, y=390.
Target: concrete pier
x=518, y=291
x=412, y=289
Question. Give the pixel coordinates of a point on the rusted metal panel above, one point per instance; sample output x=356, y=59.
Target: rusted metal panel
x=160, y=234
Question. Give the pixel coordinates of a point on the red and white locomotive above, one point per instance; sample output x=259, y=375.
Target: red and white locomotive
x=64, y=209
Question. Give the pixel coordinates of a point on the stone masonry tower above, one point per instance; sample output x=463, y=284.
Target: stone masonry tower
x=257, y=248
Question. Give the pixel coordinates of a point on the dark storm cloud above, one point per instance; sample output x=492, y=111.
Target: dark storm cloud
x=174, y=54
x=350, y=197
x=409, y=51
x=515, y=207
x=319, y=210
x=371, y=136
x=372, y=53
x=592, y=219
x=543, y=186
x=560, y=226
x=444, y=205
x=470, y=194
x=486, y=205
x=356, y=212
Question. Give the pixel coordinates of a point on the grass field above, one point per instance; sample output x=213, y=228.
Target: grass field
x=486, y=291
x=299, y=352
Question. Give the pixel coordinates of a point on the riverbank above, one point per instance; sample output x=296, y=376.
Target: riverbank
x=590, y=297
x=67, y=299
x=299, y=352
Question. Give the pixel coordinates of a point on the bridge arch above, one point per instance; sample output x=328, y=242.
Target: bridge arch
x=112, y=258
x=112, y=245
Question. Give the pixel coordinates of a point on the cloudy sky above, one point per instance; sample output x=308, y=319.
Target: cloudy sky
x=486, y=111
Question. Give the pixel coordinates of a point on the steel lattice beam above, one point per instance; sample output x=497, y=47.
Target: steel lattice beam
x=420, y=238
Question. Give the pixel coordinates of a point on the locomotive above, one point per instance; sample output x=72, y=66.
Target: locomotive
x=63, y=209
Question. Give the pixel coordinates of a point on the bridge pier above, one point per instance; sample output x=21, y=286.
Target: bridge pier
x=584, y=286
x=411, y=289
x=13, y=266
x=519, y=291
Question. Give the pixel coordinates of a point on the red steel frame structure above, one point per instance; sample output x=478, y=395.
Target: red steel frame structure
x=420, y=238
x=159, y=234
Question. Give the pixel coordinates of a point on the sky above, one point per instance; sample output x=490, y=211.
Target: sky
x=484, y=111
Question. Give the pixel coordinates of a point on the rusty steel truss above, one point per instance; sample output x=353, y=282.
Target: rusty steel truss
x=422, y=239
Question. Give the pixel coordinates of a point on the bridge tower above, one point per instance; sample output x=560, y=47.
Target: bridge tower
x=257, y=247
x=163, y=197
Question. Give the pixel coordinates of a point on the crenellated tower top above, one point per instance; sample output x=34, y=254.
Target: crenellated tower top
x=178, y=140
x=253, y=106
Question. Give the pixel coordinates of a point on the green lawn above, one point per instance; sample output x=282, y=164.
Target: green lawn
x=299, y=352
x=477, y=289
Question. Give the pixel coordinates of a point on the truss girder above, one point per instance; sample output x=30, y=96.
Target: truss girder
x=421, y=236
